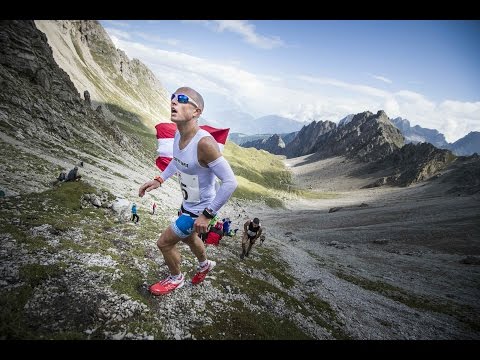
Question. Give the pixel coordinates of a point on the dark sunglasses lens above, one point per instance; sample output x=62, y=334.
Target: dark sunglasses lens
x=173, y=95
x=182, y=99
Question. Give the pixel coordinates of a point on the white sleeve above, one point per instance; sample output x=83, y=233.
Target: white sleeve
x=221, y=168
x=169, y=170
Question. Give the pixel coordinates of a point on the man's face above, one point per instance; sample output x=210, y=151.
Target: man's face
x=183, y=106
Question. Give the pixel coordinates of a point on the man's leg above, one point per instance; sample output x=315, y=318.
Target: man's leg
x=244, y=245
x=197, y=246
x=249, y=247
x=166, y=243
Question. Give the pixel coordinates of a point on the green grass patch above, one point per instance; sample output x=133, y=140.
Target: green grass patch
x=252, y=191
x=243, y=324
x=258, y=166
x=12, y=318
x=310, y=194
x=35, y=274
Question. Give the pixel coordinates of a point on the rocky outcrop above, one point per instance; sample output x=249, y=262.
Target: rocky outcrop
x=413, y=163
x=274, y=144
x=307, y=139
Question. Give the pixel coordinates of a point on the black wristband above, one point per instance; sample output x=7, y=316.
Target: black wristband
x=208, y=214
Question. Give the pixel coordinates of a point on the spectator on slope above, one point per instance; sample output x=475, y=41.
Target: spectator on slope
x=197, y=160
x=134, y=214
x=73, y=175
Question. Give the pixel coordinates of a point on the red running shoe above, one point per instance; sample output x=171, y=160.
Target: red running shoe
x=166, y=286
x=202, y=272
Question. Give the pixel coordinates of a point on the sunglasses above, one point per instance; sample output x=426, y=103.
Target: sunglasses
x=184, y=99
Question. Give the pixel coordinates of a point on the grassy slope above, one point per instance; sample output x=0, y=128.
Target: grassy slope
x=263, y=176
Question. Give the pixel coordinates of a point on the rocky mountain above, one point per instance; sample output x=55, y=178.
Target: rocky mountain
x=417, y=134
x=86, y=53
x=367, y=137
x=306, y=140
x=274, y=144
x=467, y=145
x=411, y=164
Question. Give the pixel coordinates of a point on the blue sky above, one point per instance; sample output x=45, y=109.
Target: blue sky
x=425, y=71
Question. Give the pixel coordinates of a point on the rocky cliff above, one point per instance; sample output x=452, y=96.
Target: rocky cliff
x=84, y=50
x=306, y=140
x=274, y=144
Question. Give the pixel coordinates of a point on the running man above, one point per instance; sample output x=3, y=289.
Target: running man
x=197, y=160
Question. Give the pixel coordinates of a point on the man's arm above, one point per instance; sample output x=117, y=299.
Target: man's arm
x=245, y=229
x=259, y=232
x=153, y=184
x=209, y=155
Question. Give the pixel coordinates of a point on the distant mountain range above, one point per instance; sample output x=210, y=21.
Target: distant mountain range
x=465, y=146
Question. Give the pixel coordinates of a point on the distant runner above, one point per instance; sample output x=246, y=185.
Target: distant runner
x=252, y=230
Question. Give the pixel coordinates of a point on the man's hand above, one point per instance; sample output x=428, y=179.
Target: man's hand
x=148, y=186
x=201, y=224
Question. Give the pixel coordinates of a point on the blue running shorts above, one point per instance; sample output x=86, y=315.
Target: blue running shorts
x=183, y=226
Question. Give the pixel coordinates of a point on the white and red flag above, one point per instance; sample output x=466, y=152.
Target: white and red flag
x=165, y=134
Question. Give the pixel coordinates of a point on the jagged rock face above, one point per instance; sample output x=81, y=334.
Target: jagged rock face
x=367, y=138
x=418, y=134
x=35, y=93
x=288, y=138
x=274, y=144
x=40, y=106
x=414, y=163
x=306, y=140
x=84, y=50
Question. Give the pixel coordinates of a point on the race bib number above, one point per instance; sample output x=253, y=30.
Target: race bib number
x=189, y=186
x=251, y=233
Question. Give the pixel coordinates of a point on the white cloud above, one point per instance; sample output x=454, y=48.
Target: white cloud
x=227, y=85
x=363, y=89
x=157, y=39
x=382, y=78
x=116, y=33
x=246, y=30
